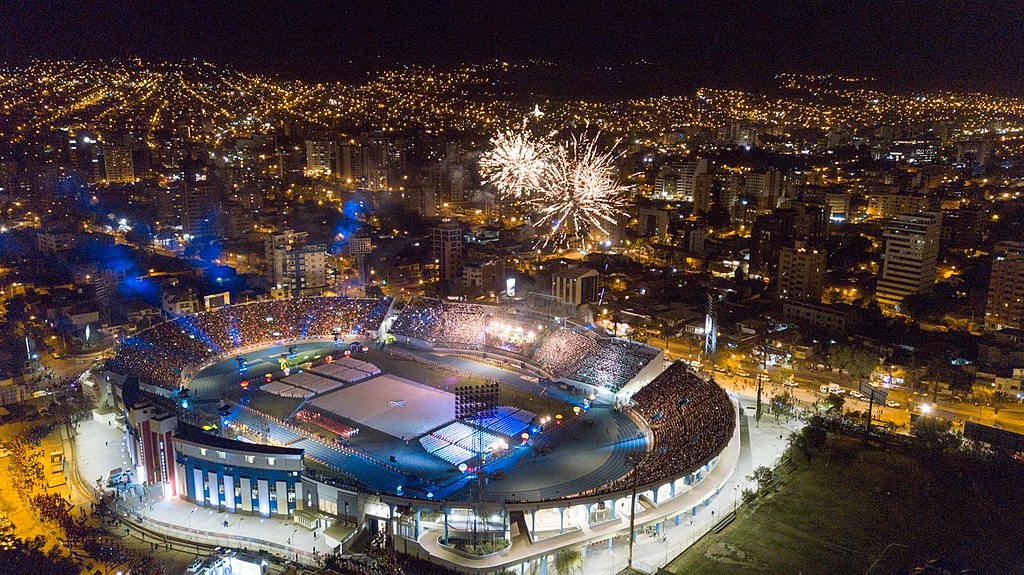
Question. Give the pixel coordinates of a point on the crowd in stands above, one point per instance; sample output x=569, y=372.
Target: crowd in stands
x=565, y=350
x=159, y=355
x=614, y=363
x=380, y=562
x=692, y=420
x=572, y=353
x=582, y=355
x=437, y=322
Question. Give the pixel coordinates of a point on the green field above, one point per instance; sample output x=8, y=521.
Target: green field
x=839, y=511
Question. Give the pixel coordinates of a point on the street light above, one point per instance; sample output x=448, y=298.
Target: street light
x=292, y=535
x=190, y=518
x=240, y=527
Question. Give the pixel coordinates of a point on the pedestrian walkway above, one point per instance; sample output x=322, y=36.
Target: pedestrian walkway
x=101, y=448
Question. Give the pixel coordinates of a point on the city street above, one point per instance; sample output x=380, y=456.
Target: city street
x=1010, y=417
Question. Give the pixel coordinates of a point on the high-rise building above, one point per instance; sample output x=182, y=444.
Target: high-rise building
x=887, y=205
x=666, y=187
x=908, y=264
x=811, y=222
x=1005, y=307
x=321, y=158
x=804, y=221
x=653, y=222
x=964, y=228
x=294, y=268
x=420, y=199
x=576, y=286
x=116, y=165
x=837, y=201
x=301, y=271
x=688, y=172
x=202, y=209
x=446, y=247
x=485, y=274
x=280, y=240
x=704, y=189
x=678, y=181
x=801, y=272
x=691, y=235
x=765, y=186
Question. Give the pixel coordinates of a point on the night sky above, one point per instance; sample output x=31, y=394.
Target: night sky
x=972, y=46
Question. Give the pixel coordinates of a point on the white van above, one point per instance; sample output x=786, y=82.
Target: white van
x=831, y=388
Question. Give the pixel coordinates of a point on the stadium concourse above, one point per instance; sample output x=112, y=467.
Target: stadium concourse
x=365, y=395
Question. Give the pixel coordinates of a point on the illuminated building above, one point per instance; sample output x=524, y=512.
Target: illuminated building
x=801, y=272
x=446, y=248
x=908, y=265
x=1005, y=306
x=116, y=165
x=237, y=476
x=576, y=286
x=321, y=158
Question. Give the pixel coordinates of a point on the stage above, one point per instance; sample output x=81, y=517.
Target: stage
x=394, y=405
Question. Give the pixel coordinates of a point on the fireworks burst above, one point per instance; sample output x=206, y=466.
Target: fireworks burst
x=581, y=194
x=516, y=163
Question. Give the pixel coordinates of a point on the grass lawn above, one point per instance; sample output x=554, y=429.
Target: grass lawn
x=838, y=512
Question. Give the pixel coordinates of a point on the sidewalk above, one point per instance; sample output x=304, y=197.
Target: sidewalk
x=656, y=547
x=101, y=448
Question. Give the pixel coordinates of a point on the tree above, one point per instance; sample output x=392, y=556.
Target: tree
x=70, y=408
x=718, y=218
x=141, y=235
x=763, y=476
x=782, y=375
x=835, y=402
x=926, y=308
x=856, y=362
x=999, y=399
x=568, y=560
x=935, y=434
x=782, y=403
x=815, y=432
x=748, y=495
x=811, y=438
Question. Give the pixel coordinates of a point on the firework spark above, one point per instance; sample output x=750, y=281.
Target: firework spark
x=581, y=194
x=516, y=163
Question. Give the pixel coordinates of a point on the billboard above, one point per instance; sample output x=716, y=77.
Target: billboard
x=217, y=300
x=875, y=394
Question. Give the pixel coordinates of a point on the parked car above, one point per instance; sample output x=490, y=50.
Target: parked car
x=892, y=404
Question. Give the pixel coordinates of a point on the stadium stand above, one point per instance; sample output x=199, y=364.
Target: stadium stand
x=160, y=354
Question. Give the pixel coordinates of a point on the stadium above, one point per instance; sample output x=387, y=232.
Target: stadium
x=482, y=438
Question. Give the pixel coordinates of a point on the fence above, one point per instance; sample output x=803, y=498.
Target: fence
x=188, y=537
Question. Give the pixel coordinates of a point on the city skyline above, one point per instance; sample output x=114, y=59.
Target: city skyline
x=678, y=46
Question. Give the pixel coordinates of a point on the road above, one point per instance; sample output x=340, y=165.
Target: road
x=809, y=383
